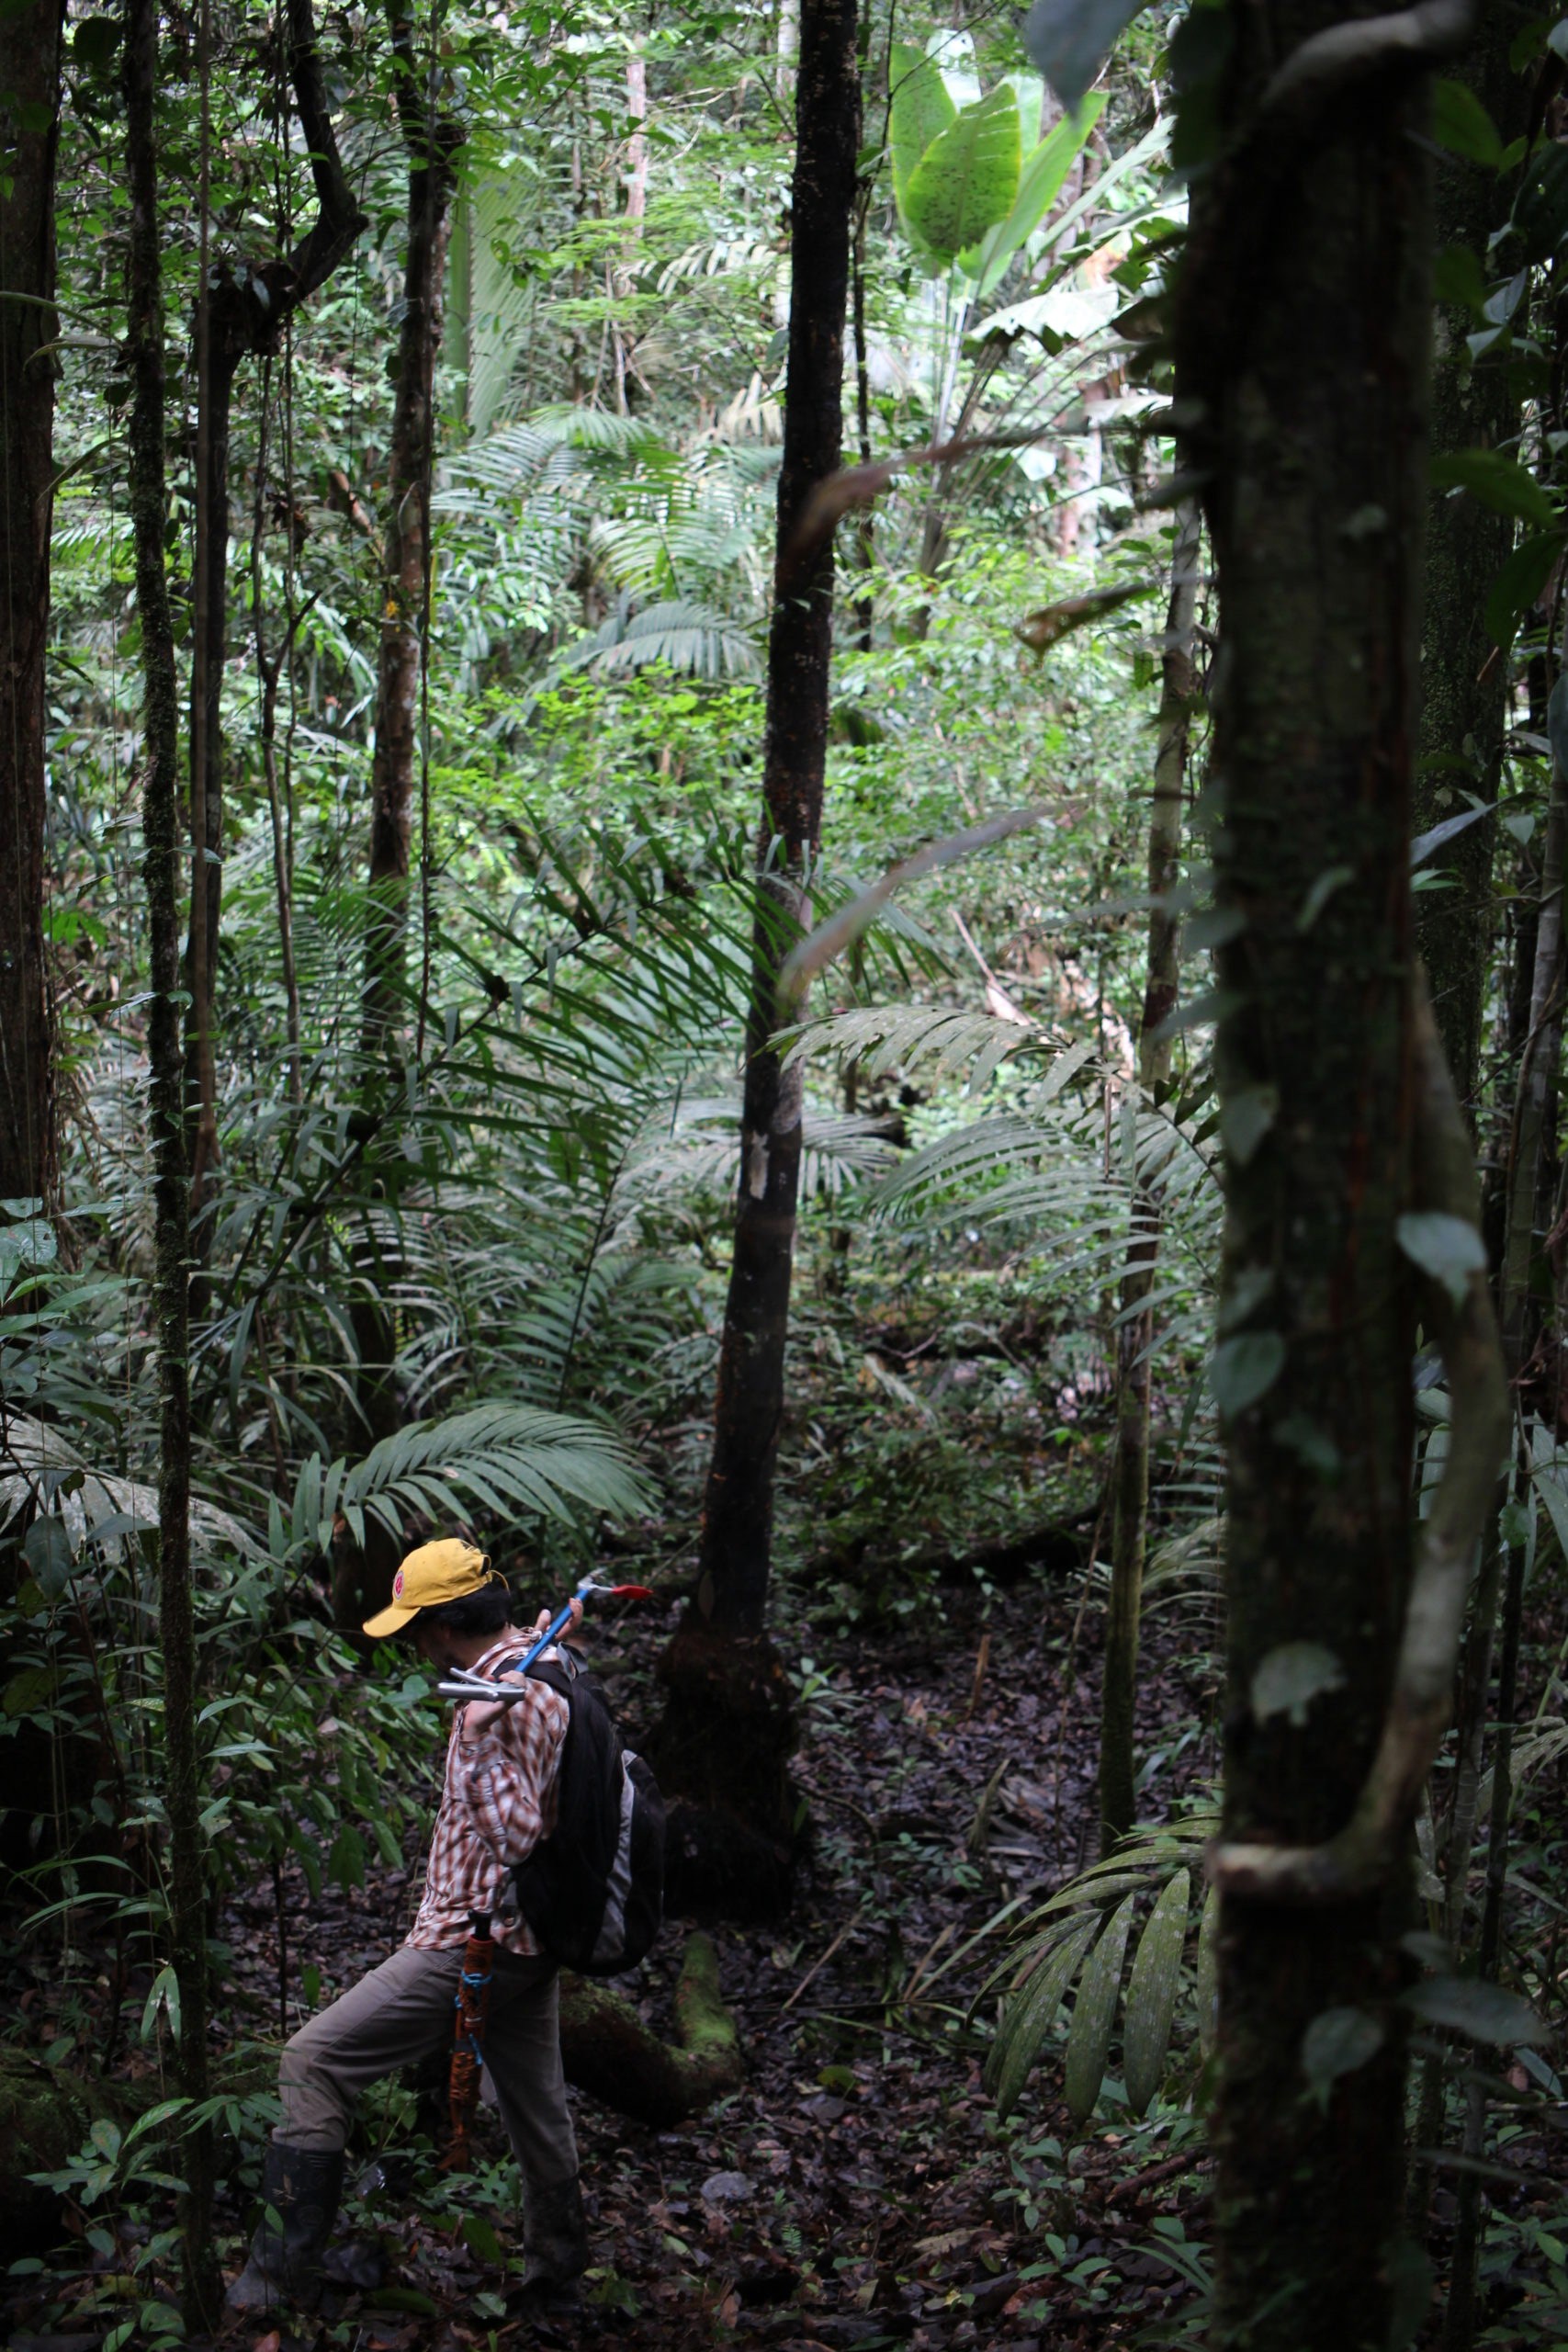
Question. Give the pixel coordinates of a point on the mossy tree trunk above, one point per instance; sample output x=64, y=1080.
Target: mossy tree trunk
x=1135, y=1332
x=1304, y=328
x=161, y=834
x=29, y=78
x=728, y=1725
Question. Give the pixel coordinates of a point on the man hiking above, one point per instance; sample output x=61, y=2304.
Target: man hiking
x=498, y=1801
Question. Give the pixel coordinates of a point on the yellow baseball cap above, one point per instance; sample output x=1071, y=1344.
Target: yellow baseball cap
x=437, y=1572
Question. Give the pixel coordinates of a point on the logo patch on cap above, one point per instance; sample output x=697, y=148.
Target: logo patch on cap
x=398, y=1585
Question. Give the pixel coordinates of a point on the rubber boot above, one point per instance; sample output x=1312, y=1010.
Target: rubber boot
x=555, y=2246
x=302, y=2185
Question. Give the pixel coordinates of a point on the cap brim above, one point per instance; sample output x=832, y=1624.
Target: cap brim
x=389, y=1620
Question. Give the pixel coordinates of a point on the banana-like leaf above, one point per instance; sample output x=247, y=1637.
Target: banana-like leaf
x=1029, y=2016
x=1209, y=1972
x=1151, y=1993
x=967, y=179
x=1040, y=183
x=1089, y=2037
x=921, y=111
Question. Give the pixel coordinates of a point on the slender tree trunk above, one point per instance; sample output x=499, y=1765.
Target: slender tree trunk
x=430, y=140
x=29, y=109
x=1458, y=2331
x=1464, y=679
x=176, y=1631
x=788, y=51
x=243, y=315
x=1532, y=1148
x=1136, y=1330
x=270, y=669
x=634, y=182
x=709, y=1745
x=1304, y=335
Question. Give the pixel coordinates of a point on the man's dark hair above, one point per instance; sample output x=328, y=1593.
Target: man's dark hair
x=484, y=1611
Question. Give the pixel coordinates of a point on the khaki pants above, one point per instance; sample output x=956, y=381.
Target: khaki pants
x=402, y=2012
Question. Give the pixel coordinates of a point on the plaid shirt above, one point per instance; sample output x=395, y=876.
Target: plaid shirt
x=498, y=1801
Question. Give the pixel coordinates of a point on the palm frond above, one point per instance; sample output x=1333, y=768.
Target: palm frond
x=513, y=1464
x=693, y=638
x=41, y=1468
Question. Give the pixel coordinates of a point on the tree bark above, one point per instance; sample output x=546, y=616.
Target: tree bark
x=29, y=77
x=1302, y=337
x=728, y=1725
x=1136, y=1330
x=161, y=829
x=1459, y=2330
x=1532, y=1155
x=431, y=140
x=1464, y=679
x=247, y=309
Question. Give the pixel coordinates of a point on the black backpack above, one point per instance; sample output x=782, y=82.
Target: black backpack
x=593, y=1891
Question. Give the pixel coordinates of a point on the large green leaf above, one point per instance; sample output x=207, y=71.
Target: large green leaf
x=1040, y=183
x=1519, y=584
x=1498, y=481
x=921, y=111
x=1070, y=39
x=967, y=179
x=1089, y=2038
x=1032, y=2013
x=1151, y=1993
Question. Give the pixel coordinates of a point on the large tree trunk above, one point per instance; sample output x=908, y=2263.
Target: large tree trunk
x=431, y=140
x=30, y=76
x=1464, y=680
x=1303, y=336
x=1136, y=1330
x=159, y=753
x=728, y=1725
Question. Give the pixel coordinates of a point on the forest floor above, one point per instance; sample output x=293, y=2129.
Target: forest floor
x=857, y=2190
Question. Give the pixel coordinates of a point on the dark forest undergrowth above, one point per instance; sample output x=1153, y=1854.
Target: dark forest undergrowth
x=858, y=2188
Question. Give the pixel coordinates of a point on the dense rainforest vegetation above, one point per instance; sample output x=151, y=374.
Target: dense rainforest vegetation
x=783, y=802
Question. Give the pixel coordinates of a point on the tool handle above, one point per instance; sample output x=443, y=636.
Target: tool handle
x=475, y=1686
x=553, y=1631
